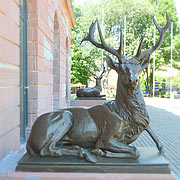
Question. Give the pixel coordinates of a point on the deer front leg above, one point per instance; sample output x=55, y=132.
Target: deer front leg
x=155, y=139
x=111, y=140
x=114, y=148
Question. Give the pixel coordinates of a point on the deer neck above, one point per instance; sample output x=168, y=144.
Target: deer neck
x=128, y=98
x=130, y=103
x=98, y=84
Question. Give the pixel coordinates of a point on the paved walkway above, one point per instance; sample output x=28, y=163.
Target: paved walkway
x=165, y=121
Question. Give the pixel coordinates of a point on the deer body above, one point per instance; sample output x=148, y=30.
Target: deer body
x=82, y=129
x=108, y=128
x=89, y=92
x=94, y=91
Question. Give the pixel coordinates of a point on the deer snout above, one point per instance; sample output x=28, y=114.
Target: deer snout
x=133, y=80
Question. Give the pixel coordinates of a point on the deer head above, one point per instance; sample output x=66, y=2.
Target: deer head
x=98, y=78
x=128, y=69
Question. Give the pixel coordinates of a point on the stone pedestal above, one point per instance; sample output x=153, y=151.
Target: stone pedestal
x=88, y=102
x=90, y=98
x=149, y=162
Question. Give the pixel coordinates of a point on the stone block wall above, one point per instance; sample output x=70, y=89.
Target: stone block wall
x=9, y=76
x=49, y=86
x=49, y=39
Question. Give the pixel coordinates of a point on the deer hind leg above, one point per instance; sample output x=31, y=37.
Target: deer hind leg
x=57, y=130
x=80, y=152
x=52, y=150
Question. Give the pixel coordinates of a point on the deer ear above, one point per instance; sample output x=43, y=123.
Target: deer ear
x=145, y=62
x=111, y=63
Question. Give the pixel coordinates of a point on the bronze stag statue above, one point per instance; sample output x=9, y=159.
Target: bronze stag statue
x=107, y=129
x=94, y=91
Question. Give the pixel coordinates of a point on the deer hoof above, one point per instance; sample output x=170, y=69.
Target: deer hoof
x=88, y=156
x=161, y=149
x=136, y=153
x=98, y=152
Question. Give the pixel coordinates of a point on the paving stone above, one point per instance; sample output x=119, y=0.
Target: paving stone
x=165, y=120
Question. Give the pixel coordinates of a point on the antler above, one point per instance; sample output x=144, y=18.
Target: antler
x=92, y=72
x=103, y=45
x=121, y=41
x=95, y=76
x=102, y=72
x=162, y=31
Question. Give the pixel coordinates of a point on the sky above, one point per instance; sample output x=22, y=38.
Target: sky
x=178, y=8
x=80, y=2
x=177, y=2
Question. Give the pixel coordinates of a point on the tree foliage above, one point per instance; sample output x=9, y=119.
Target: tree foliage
x=138, y=22
x=79, y=61
x=163, y=54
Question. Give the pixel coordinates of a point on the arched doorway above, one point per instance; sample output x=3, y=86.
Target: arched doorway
x=56, y=65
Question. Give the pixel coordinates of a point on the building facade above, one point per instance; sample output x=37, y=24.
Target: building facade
x=35, y=41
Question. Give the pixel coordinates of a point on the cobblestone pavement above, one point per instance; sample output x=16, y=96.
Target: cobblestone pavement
x=165, y=121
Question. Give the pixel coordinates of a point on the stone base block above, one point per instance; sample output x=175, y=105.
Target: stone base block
x=149, y=162
x=87, y=103
x=90, y=98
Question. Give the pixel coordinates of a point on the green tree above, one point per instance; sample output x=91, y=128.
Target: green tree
x=80, y=61
x=112, y=19
x=139, y=21
x=163, y=54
